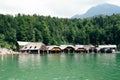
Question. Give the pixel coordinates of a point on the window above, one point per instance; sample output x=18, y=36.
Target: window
x=35, y=47
x=30, y=46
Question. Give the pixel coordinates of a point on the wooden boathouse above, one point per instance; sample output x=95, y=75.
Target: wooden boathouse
x=39, y=47
x=34, y=47
x=67, y=48
x=54, y=49
x=107, y=48
x=20, y=44
x=80, y=48
x=89, y=48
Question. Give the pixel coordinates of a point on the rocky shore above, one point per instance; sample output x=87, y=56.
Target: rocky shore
x=7, y=51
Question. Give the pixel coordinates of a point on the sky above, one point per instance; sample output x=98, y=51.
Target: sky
x=54, y=8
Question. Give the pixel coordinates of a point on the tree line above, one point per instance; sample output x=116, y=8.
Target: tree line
x=56, y=31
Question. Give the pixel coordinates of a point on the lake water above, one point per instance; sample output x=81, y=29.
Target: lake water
x=60, y=67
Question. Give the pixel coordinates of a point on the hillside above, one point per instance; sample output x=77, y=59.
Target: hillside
x=57, y=31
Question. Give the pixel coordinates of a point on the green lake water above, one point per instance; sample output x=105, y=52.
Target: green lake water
x=60, y=67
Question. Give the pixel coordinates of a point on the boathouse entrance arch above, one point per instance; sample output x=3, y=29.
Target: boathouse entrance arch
x=69, y=50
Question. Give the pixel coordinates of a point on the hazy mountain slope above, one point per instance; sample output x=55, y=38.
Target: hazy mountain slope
x=103, y=9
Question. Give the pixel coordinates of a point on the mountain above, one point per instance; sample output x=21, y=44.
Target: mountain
x=103, y=9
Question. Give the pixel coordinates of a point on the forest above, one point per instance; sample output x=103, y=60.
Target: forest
x=57, y=31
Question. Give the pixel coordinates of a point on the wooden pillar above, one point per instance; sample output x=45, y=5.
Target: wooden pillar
x=38, y=51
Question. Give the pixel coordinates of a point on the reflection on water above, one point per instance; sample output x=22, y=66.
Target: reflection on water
x=60, y=67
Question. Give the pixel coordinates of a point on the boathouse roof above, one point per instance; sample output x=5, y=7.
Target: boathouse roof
x=51, y=47
x=78, y=46
x=107, y=46
x=34, y=46
x=22, y=43
x=65, y=46
x=88, y=46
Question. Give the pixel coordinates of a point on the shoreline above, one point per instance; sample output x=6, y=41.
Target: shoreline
x=7, y=51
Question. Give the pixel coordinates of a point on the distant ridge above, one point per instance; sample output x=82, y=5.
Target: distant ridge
x=102, y=9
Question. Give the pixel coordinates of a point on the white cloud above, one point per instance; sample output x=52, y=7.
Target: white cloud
x=60, y=8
